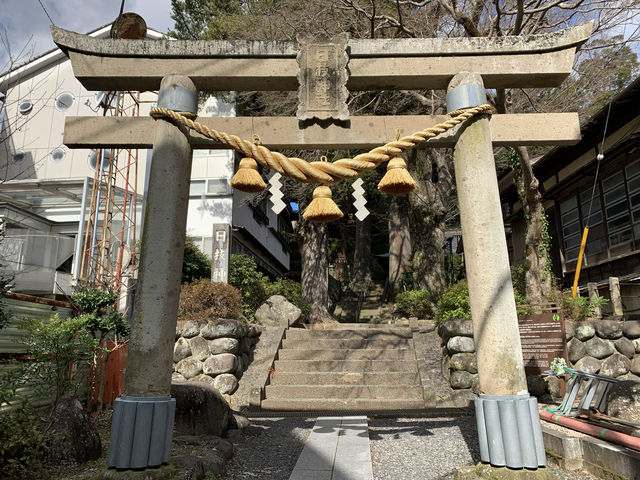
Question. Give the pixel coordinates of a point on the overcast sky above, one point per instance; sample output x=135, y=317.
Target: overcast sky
x=26, y=23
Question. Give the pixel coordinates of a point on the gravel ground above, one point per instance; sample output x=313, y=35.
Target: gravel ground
x=273, y=453
x=401, y=448
x=421, y=448
x=428, y=448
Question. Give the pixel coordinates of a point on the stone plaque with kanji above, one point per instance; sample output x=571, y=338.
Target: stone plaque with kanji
x=220, y=253
x=323, y=77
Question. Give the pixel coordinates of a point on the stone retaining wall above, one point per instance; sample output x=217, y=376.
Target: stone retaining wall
x=605, y=347
x=459, y=364
x=216, y=352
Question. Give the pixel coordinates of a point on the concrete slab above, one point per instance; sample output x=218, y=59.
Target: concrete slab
x=337, y=449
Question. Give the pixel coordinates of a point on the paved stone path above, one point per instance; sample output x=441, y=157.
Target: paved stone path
x=337, y=449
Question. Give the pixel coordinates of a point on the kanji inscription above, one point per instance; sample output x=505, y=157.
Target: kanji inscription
x=220, y=253
x=323, y=77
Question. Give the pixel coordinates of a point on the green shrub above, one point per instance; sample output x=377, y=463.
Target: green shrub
x=292, y=291
x=56, y=345
x=414, y=303
x=255, y=287
x=577, y=308
x=203, y=300
x=244, y=275
x=454, y=303
x=22, y=439
x=518, y=280
x=195, y=264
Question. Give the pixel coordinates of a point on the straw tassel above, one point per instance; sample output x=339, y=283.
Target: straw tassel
x=397, y=180
x=247, y=178
x=322, y=208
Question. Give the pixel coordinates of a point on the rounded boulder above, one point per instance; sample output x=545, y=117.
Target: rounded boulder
x=223, y=345
x=189, y=367
x=576, y=350
x=624, y=401
x=199, y=348
x=223, y=328
x=219, y=364
x=609, y=329
x=456, y=327
x=181, y=349
x=625, y=347
x=588, y=365
x=615, y=366
x=599, y=348
x=226, y=383
x=461, y=345
x=583, y=331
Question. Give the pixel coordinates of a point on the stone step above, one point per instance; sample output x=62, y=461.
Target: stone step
x=345, y=366
x=352, y=343
x=346, y=354
x=348, y=404
x=348, y=333
x=343, y=391
x=344, y=378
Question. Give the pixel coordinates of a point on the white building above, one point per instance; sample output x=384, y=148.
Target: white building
x=47, y=194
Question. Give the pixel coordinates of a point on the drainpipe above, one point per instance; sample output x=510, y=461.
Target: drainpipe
x=593, y=430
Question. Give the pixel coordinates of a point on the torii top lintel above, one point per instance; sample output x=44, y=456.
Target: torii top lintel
x=381, y=64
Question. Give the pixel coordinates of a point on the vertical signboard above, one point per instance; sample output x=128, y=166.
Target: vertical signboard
x=221, y=252
x=542, y=338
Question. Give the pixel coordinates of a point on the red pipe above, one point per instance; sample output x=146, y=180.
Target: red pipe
x=605, y=433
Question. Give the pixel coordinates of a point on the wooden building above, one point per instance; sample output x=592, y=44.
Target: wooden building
x=568, y=182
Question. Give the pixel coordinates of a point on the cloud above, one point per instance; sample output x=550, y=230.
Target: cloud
x=26, y=25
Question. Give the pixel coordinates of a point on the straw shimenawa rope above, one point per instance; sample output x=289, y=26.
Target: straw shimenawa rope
x=323, y=172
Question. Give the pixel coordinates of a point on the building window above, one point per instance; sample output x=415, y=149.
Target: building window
x=92, y=158
x=18, y=156
x=570, y=220
x=25, y=107
x=211, y=187
x=57, y=155
x=205, y=244
x=633, y=185
x=617, y=210
x=64, y=101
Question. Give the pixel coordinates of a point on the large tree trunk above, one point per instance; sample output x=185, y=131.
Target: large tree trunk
x=537, y=270
x=399, y=243
x=315, y=289
x=429, y=202
x=362, y=256
x=341, y=260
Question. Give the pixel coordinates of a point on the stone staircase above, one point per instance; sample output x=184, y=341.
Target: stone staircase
x=348, y=368
x=372, y=304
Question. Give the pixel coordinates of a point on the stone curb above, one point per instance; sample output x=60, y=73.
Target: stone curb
x=257, y=393
x=602, y=459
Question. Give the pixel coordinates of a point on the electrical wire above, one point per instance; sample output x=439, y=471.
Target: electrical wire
x=599, y=158
x=46, y=13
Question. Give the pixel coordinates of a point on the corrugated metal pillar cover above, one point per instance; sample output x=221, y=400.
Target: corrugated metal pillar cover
x=141, y=432
x=509, y=431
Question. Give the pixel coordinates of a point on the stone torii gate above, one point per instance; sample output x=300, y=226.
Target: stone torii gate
x=508, y=422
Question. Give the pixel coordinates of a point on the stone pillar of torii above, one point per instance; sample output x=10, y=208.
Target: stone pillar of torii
x=508, y=423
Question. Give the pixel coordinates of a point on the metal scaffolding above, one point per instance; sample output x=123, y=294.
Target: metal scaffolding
x=109, y=253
